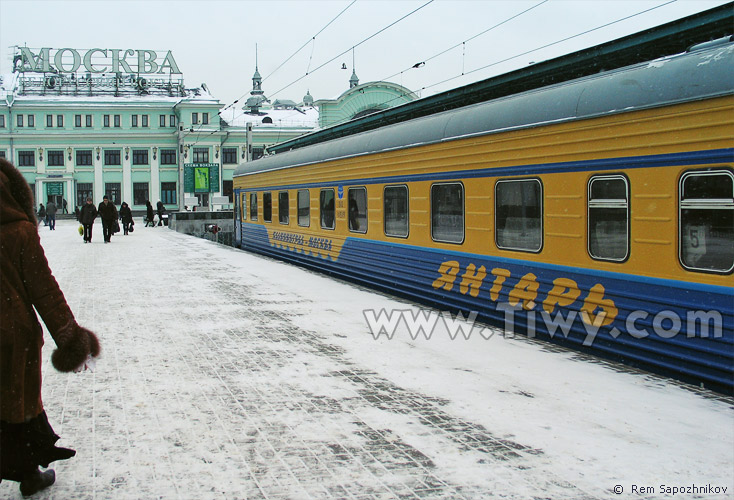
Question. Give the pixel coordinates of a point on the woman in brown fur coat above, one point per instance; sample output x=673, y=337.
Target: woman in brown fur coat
x=26, y=438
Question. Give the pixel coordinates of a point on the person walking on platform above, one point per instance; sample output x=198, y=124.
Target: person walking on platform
x=161, y=211
x=149, y=214
x=65, y=206
x=126, y=216
x=42, y=215
x=27, y=439
x=86, y=217
x=51, y=215
x=108, y=213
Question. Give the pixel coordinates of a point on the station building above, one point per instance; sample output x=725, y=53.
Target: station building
x=122, y=123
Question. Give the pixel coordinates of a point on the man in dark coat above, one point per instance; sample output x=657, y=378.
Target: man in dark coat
x=42, y=215
x=86, y=216
x=149, y=217
x=108, y=213
x=161, y=211
x=51, y=210
x=126, y=216
x=26, y=437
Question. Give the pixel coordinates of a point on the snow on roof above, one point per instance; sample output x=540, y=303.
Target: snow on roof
x=297, y=117
x=284, y=103
x=307, y=117
x=10, y=85
x=7, y=84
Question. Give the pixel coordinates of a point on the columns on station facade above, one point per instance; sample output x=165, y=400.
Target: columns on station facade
x=127, y=175
x=155, y=179
x=127, y=193
x=98, y=160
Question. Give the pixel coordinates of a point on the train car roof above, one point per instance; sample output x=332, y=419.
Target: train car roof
x=704, y=71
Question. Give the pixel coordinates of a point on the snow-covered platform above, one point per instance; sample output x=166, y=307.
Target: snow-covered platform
x=226, y=375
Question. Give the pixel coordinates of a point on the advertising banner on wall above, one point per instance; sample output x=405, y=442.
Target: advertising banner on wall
x=201, y=177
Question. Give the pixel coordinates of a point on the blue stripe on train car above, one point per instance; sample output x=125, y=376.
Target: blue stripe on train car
x=680, y=329
x=706, y=157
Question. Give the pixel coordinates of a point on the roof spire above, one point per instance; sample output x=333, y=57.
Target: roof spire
x=354, y=80
x=255, y=102
x=256, y=79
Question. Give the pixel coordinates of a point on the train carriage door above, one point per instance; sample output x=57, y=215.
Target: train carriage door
x=236, y=215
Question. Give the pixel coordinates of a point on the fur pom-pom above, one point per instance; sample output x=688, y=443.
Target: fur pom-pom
x=73, y=350
x=94, y=347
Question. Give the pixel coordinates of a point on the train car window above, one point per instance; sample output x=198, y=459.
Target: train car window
x=268, y=207
x=608, y=217
x=357, y=208
x=447, y=212
x=304, y=208
x=706, y=208
x=283, y=207
x=396, y=211
x=326, y=205
x=253, y=206
x=519, y=215
x=243, y=206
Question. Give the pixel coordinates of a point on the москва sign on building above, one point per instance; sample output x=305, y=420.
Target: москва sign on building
x=67, y=60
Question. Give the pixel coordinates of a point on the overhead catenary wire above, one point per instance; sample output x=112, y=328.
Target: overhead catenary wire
x=311, y=40
x=417, y=65
x=329, y=61
x=352, y=47
x=548, y=45
x=387, y=102
x=424, y=61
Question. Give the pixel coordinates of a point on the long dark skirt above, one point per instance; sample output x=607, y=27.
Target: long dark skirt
x=23, y=447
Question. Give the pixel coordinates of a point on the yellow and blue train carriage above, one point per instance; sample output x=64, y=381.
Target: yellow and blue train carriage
x=597, y=213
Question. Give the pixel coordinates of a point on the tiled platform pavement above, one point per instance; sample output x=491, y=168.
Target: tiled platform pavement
x=212, y=385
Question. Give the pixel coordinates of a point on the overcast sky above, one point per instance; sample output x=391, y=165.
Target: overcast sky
x=213, y=42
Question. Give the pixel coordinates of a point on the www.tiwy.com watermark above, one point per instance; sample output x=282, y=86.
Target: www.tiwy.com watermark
x=664, y=324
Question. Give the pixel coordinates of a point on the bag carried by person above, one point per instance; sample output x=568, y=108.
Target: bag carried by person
x=81, y=230
x=116, y=228
x=131, y=228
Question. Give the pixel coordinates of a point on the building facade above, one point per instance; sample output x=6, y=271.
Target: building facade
x=82, y=124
